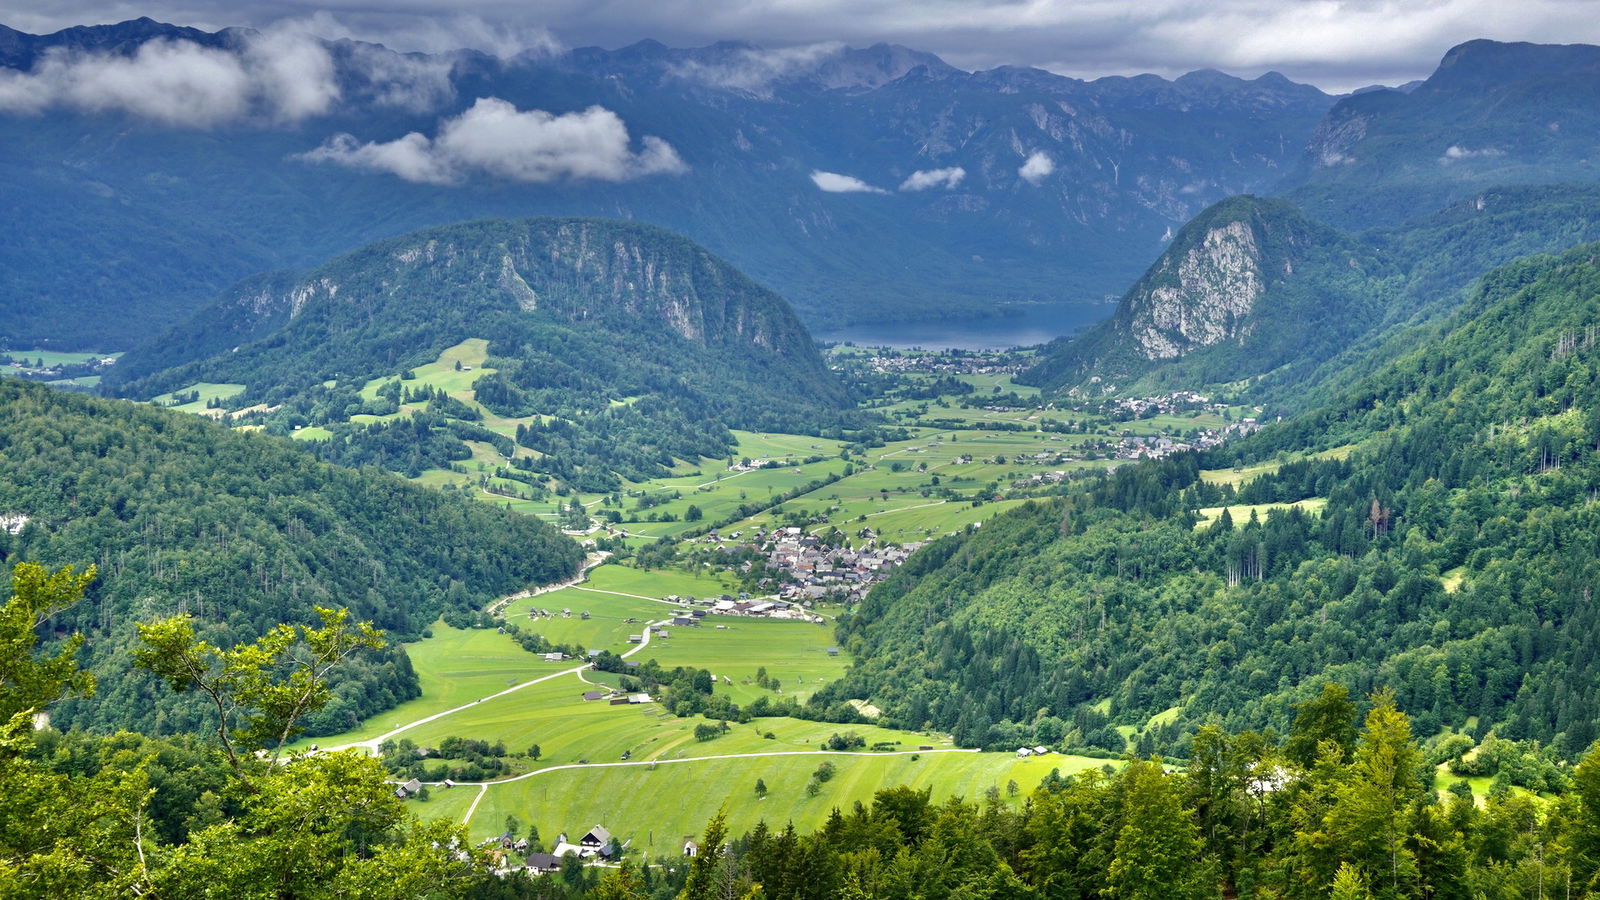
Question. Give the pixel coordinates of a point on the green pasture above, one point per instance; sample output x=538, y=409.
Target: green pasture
x=1240, y=475
x=208, y=391
x=454, y=667
x=793, y=651
x=1240, y=513
x=51, y=358
x=773, y=446
x=658, y=808
x=572, y=730
x=984, y=385
x=441, y=373
x=607, y=626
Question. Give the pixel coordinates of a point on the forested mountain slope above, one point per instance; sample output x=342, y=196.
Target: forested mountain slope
x=243, y=531
x=642, y=345
x=1252, y=292
x=1453, y=559
x=1492, y=114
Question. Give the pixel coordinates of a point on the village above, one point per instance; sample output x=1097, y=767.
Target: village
x=805, y=569
x=946, y=364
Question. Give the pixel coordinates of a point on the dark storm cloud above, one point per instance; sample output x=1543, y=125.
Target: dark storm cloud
x=1338, y=44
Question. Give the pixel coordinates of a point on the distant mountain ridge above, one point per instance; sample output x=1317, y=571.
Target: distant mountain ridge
x=1401, y=200
x=142, y=224
x=1493, y=114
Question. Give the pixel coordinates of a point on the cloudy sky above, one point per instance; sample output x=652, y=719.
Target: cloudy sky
x=1336, y=44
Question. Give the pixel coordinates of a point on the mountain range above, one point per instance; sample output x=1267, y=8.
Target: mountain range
x=800, y=169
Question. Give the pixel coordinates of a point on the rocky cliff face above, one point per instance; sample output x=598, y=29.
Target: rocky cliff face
x=1209, y=299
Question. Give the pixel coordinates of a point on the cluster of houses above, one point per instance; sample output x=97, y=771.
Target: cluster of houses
x=1169, y=404
x=56, y=371
x=810, y=569
x=1157, y=447
x=616, y=698
x=1025, y=752
x=551, y=614
x=943, y=364
x=596, y=845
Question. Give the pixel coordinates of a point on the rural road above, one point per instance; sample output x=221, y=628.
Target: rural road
x=371, y=744
x=483, y=786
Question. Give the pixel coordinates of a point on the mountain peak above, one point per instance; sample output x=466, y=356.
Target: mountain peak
x=1482, y=63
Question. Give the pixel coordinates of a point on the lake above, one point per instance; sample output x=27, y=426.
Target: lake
x=1034, y=323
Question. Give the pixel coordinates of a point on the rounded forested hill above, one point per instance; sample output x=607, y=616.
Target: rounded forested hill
x=597, y=306
x=242, y=531
x=620, y=347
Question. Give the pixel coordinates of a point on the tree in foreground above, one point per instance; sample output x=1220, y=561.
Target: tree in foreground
x=1158, y=847
x=283, y=826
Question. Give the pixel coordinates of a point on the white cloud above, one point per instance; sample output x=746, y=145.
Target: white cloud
x=1037, y=168
x=834, y=183
x=293, y=72
x=495, y=138
x=1455, y=154
x=409, y=81
x=281, y=75
x=425, y=33
x=922, y=179
x=754, y=69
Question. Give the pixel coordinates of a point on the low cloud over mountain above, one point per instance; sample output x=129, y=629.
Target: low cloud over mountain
x=494, y=138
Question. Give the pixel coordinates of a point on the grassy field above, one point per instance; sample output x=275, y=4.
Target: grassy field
x=628, y=799
x=50, y=358
x=1243, y=474
x=454, y=667
x=1239, y=475
x=571, y=730
x=1240, y=513
x=208, y=392
x=794, y=652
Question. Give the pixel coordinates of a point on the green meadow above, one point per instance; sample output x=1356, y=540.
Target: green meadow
x=207, y=391
x=658, y=808
x=733, y=648
x=1240, y=513
x=49, y=358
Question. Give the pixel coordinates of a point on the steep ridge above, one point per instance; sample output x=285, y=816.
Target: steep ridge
x=242, y=531
x=1248, y=285
x=1450, y=557
x=1209, y=312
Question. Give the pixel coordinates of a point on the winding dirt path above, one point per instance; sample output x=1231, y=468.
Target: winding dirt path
x=582, y=575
